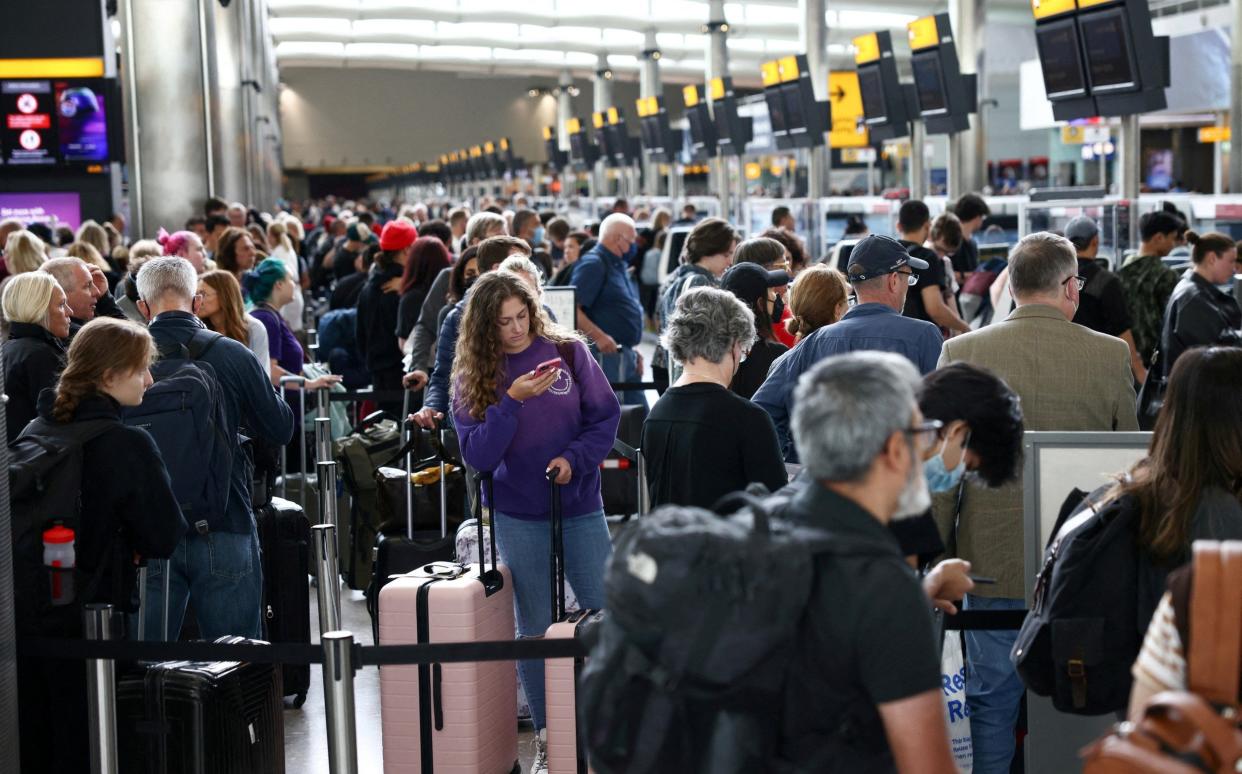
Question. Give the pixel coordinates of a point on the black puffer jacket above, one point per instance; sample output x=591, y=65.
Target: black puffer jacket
x=1198, y=315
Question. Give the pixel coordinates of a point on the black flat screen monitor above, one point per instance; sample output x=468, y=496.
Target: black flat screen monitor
x=795, y=115
x=929, y=82
x=697, y=134
x=776, y=110
x=1106, y=40
x=720, y=114
x=577, y=146
x=871, y=86
x=651, y=133
x=1059, y=58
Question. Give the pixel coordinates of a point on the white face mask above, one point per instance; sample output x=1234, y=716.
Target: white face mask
x=915, y=498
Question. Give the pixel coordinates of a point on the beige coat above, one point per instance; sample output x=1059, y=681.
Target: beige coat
x=1069, y=378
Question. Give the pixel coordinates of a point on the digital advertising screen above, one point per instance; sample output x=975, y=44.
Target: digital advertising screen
x=53, y=209
x=1106, y=40
x=82, y=122
x=929, y=82
x=1059, y=58
x=29, y=133
x=871, y=86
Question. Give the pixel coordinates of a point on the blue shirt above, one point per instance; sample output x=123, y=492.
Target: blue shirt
x=865, y=327
x=608, y=297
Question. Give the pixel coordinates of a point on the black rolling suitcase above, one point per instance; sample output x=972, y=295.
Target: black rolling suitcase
x=619, y=475
x=284, y=537
x=202, y=717
x=410, y=548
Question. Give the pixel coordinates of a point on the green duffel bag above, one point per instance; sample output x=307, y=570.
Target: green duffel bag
x=358, y=456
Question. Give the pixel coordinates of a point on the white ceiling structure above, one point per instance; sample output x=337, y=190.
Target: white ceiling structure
x=544, y=37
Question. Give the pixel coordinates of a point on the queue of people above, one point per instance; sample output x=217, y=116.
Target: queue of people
x=861, y=400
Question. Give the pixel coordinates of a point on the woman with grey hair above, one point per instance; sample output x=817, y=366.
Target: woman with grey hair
x=702, y=440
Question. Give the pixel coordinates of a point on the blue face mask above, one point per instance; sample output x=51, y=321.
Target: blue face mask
x=939, y=478
x=539, y=233
x=632, y=253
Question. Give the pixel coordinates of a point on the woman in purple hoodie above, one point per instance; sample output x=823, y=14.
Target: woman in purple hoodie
x=518, y=422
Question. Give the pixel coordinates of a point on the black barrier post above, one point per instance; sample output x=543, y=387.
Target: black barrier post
x=101, y=692
x=338, y=692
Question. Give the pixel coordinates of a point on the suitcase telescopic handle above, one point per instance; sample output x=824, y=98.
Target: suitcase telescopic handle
x=558, y=544
x=491, y=579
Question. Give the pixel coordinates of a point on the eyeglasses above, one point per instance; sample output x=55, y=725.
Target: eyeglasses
x=925, y=433
x=911, y=277
x=1079, y=281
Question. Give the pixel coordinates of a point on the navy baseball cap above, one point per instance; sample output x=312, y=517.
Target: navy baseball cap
x=877, y=255
x=750, y=281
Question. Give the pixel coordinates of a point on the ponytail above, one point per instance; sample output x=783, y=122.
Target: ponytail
x=1211, y=242
x=103, y=345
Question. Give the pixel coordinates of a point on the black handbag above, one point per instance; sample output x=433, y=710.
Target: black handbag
x=1151, y=395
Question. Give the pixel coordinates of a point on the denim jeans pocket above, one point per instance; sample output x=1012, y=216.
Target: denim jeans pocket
x=230, y=555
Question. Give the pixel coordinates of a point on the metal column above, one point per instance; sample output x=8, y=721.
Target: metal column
x=1235, y=102
x=1128, y=171
x=564, y=109
x=718, y=67
x=602, y=88
x=649, y=86
x=918, y=175
x=968, y=149
x=814, y=35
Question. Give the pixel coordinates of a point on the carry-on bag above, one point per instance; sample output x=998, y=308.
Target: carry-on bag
x=373, y=442
x=619, y=474
x=284, y=537
x=449, y=718
x=184, y=716
x=412, y=547
x=566, y=753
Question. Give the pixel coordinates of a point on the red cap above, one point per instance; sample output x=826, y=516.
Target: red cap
x=58, y=534
x=397, y=235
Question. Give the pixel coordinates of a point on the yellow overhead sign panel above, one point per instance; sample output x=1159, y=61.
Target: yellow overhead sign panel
x=716, y=88
x=489, y=147
x=476, y=152
x=771, y=72
x=547, y=133
x=614, y=116
x=923, y=33
x=52, y=67
x=597, y=119
x=866, y=48
x=789, y=68
x=573, y=126
x=690, y=94
x=647, y=106
x=1044, y=9
x=1214, y=134
x=847, y=110
x=504, y=143
x=1089, y=3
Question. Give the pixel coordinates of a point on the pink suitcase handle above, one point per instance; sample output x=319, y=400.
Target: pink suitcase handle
x=492, y=579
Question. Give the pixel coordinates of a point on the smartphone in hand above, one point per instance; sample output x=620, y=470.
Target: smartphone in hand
x=547, y=366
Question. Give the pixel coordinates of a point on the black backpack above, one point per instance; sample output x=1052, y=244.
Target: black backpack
x=692, y=657
x=1084, y=630
x=45, y=487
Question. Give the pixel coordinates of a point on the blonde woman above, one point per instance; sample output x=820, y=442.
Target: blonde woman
x=282, y=248
x=38, y=315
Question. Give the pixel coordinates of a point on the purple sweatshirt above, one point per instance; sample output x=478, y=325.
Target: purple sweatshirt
x=576, y=419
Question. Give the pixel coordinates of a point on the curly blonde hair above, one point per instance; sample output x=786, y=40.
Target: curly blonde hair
x=478, y=366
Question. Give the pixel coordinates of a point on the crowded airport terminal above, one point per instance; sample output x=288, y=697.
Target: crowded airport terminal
x=647, y=387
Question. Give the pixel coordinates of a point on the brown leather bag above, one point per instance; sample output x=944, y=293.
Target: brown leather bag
x=1195, y=731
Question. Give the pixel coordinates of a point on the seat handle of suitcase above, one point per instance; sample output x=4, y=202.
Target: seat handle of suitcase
x=558, y=544
x=491, y=579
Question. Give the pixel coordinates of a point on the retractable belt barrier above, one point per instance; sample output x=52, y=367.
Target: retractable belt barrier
x=632, y=386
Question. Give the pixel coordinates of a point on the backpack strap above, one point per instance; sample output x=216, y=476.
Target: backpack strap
x=201, y=342
x=1214, y=660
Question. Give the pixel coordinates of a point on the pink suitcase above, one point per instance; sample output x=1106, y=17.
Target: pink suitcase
x=560, y=676
x=450, y=718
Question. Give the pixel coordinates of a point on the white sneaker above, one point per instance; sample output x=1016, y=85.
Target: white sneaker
x=540, y=764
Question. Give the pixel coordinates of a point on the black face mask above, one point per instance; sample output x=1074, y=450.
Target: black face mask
x=469, y=281
x=778, y=308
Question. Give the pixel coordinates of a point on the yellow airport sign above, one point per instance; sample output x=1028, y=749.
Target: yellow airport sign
x=690, y=94
x=716, y=88
x=573, y=126
x=1046, y=9
x=598, y=120
x=504, y=143
x=866, y=48
x=489, y=147
x=788, y=67
x=753, y=171
x=640, y=105
x=846, y=100
x=1073, y=135
x=614, y=116
x=771, y=72
x=1214, y=134
x=1089, y=3
x=547, y=133
x=923, y=33
x=53, y=67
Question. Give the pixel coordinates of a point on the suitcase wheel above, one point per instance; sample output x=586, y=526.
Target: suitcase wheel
x=297, y=702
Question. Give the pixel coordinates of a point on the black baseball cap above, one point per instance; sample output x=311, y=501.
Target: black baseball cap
x=877, y=255
x=750, y=281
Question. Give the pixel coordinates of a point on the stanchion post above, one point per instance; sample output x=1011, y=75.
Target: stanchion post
x=323, y=438
x=327, y=493
x=286, y=380
x=338, y=692
x=328, y=585
x=644, y=494
x=321, y=402
x=101, y=693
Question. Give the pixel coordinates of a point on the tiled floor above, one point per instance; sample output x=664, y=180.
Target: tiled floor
x=306, y=739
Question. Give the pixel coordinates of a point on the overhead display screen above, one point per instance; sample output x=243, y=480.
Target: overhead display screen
x=721, y=117
x=1106, y=41
x=1059, y=59
x=776, y=110
x=929, y=82
x=53, y=122
x=795, y=118
x=871, y=86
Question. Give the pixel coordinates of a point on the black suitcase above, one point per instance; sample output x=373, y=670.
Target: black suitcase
x=410, y=548
x=284, y=537
x=202, y=717
x=618, y=475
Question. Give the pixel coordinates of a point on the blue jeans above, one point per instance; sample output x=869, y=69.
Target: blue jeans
x=623, y=367
x=526, y=548
x=993, y=689
x=221, y=573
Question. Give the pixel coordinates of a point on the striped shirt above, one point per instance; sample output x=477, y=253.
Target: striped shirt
x=1161, y=664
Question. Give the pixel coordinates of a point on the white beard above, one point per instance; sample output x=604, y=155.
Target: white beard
x=916, y=498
